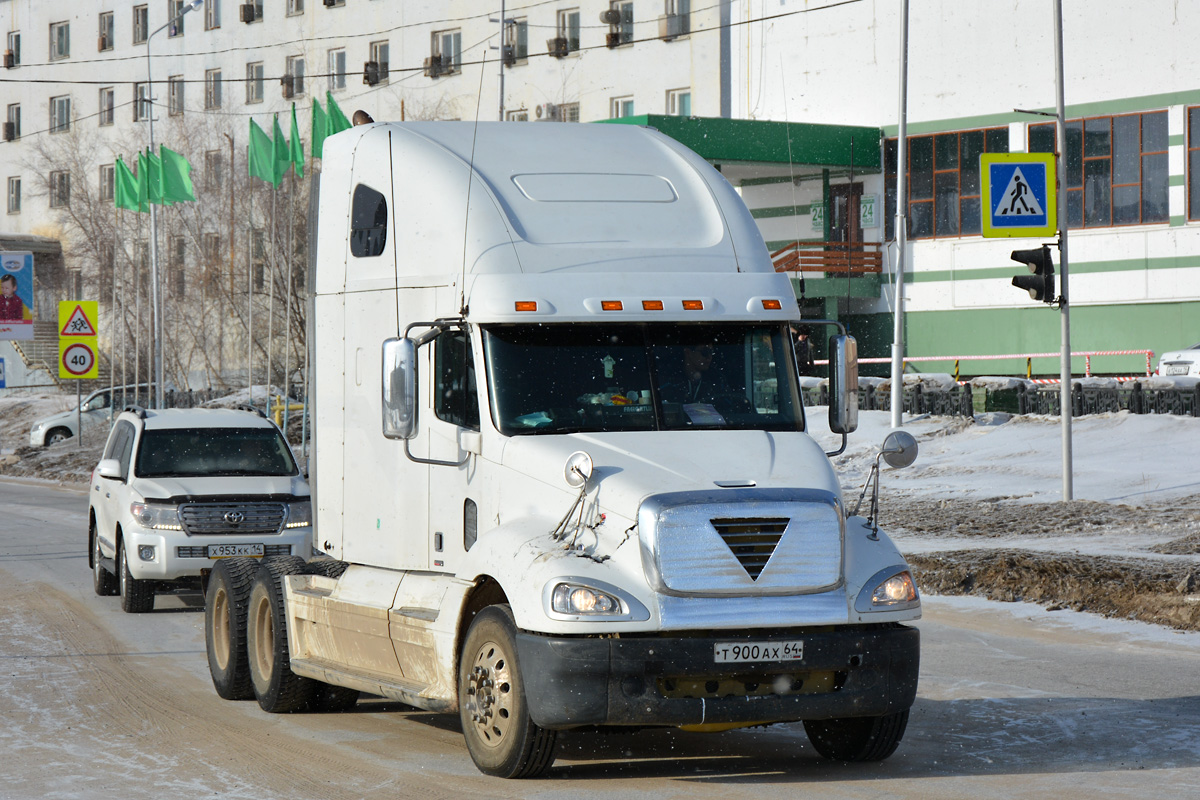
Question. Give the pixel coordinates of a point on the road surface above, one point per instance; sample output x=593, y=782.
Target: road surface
x=1014, y=703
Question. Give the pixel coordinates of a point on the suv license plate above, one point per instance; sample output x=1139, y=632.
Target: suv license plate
x=232, y=550
x=752, y=652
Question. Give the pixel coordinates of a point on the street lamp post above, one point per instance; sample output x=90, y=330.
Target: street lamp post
x=155, y=295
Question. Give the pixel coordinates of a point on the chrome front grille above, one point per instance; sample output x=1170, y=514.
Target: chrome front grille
x=238, y=519
x=752, y=541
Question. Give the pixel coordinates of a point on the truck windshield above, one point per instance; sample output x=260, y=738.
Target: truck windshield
x=580, y=377
x=213, y=452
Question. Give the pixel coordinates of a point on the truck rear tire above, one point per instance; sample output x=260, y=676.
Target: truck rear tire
x=277, y=688
x=137, y=597
x=103, y=581
x=225, y=605
x=857, y=738
x=501, y=737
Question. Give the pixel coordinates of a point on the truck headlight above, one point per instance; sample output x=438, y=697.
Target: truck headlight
x=891, y=589
x=299, y=514
x=156, y=517
x=573, y=598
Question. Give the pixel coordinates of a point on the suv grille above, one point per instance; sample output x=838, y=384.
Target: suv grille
x=207, y=519
x=752, y=541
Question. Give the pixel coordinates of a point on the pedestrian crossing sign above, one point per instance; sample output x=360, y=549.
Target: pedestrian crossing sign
x=1019, y=194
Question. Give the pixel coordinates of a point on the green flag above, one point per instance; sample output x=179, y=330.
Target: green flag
x=283, y=157
x=336, y=121
x=125, y=190
x=319, y=124
x=154, y=180
x=296, y=147
x=262, y=156
x=176, y=178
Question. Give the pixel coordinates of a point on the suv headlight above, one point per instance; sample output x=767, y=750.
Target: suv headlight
x=299, y=514
x=156, y=517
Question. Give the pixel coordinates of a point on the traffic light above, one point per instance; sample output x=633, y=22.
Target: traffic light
x=1040, y=284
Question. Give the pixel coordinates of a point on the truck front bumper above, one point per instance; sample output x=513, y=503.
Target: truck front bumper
x=862, y=671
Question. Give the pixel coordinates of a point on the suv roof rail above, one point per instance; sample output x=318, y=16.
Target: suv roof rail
x=136, y=409
x=251, y=409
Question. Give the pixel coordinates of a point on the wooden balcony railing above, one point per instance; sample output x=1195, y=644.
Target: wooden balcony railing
x=855, y=258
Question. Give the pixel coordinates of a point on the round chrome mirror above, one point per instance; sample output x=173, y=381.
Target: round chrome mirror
x=578, y=469
x=899, y=449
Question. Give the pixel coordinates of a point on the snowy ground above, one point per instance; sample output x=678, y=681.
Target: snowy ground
x=980, y=512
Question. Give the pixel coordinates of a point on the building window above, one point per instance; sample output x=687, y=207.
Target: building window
x=943, y=182
x=256, y=11
x=678, y=20
x=60, y=40
x=14, y=119
x=337, y=69
x=212, y=89
x=620, y=107
x=60, y=114
x=212, y=15
x=214, y=172
x=14, y=47
x=141, y=102
x=141, y=24
x=1117, y=169
x=379, y=54
x=679, y=102
x=295, y=71
x=516, y=42
x=175, y=16
x=107, y=105
x=335, y=3
x=568, y=28
x=176, y=252
x=60, y=189
x=295, y=7
x=517, y=116
x=175, y=95
x=568, y=112
x=254, y=82
x=447, y=45
x=258, y=259
x=14, y=195
x=106, y=31
x=107, y=181
x=622, y=30
x=1193, y=163
x=211, y=242
x=107, y=266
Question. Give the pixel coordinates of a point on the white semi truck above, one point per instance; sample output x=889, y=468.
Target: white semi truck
x=562, y=472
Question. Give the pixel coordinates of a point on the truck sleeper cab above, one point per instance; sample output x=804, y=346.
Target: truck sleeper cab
x=562, y=472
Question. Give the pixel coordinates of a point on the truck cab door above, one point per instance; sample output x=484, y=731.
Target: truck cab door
x=453, y=426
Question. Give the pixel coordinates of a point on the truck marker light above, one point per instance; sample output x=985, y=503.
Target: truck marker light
x=693, y=305
x=652, y=305
x=525, y=305
x=612, y=305
x=772, y=305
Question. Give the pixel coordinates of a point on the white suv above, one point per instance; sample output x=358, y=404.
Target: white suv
x=177, y=490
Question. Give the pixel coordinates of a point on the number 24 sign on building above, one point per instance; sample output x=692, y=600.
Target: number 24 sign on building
x=77, y=349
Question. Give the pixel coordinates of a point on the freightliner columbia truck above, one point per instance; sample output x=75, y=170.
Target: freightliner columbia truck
x=562, y=473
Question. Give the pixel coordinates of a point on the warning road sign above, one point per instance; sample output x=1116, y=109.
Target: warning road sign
x=1019, y=197
x=75, y=317
x=77, y=359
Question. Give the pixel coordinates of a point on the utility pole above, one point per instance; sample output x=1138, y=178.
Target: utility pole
x=901, y=229
x=1068, y=492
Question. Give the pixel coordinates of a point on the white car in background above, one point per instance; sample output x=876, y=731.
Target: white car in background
x=98, y=408
x=1180, y=362
x=177, y=490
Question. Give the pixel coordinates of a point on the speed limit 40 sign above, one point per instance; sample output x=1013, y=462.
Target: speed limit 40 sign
x=77, y=358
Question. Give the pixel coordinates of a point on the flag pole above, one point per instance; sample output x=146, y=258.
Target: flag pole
x=271, y=299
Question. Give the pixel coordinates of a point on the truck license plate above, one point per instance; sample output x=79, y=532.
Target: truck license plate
x=232, y=550
x=751, y=652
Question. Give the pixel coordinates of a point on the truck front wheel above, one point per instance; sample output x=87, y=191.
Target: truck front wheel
x=857, y=738
x=277, y=688
x=225, y=627
x=501, y=737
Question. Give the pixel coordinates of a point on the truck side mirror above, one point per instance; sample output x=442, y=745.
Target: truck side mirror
x=399, y=388
x=843, y=384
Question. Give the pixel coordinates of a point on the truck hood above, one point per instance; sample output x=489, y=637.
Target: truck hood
x=631, y=466
x=262, y=488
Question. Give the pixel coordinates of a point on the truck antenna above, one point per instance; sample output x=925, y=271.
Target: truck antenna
x=462, y=289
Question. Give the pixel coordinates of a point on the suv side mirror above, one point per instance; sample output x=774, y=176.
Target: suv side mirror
x=400, y=388
x=843, y=384
x=109, y=468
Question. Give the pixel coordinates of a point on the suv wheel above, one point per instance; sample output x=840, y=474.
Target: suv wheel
x=57, y=435
x=137, y=597
x=103, y=581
